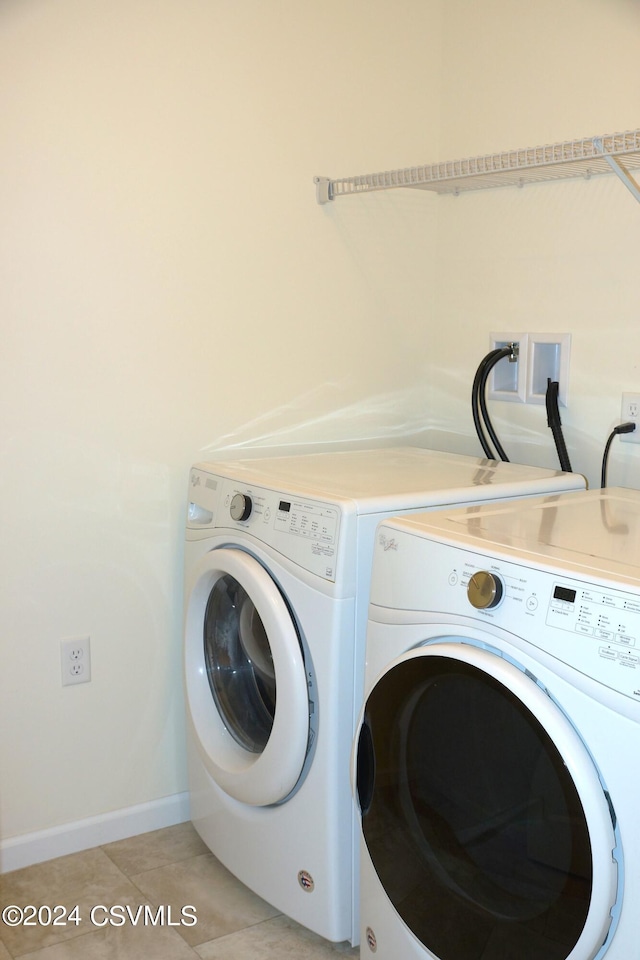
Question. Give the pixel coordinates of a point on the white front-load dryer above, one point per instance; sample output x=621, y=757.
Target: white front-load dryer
x=277, y=565
x=495, y=763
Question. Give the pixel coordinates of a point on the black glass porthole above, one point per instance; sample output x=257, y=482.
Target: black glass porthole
x=473, y=822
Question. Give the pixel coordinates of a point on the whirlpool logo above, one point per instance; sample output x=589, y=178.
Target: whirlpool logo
x=387, y=543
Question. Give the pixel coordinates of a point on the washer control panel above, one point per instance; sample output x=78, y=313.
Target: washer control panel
x=305, y=531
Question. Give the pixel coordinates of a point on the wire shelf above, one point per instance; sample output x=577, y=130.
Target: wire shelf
x=570, y=159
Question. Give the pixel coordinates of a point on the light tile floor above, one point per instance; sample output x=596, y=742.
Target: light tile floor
x=170, y=867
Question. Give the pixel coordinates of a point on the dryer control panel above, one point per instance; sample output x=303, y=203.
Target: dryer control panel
x=303, y=530
x=595, y=630
x=590, y=626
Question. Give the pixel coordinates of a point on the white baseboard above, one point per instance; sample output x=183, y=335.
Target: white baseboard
x=31, y=848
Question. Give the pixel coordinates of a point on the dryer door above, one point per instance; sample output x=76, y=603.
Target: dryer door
x=246, y=682
x=482, y=810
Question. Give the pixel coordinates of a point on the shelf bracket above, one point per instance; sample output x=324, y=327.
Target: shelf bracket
x=323, y=189
x=618, y=169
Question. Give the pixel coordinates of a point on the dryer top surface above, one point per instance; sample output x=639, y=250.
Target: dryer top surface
x=596, y=531
x=386, y=479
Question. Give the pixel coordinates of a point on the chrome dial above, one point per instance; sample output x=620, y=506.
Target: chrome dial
x=241, y=506
x=484, y=590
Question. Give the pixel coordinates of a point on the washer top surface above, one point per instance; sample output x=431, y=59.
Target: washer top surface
x=596, y=531
x=394, y=478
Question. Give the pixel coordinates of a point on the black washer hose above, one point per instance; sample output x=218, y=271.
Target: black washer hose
x=479, y=403
x=555, y=424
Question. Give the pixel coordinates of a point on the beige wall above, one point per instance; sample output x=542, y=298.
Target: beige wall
x=552, y=257
x=170, y=290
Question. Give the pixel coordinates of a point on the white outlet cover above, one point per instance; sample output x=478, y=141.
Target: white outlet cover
x=75, y=660
x=630, y=411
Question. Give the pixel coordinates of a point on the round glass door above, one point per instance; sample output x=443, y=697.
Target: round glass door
x=239, y=663
x=246, y=679
x=482, y=811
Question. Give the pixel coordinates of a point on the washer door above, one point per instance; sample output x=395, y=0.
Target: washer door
x=482, y=811
x=246, y=683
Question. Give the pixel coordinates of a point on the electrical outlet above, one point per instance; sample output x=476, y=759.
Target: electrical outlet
x=75, y=660
x=631, y=412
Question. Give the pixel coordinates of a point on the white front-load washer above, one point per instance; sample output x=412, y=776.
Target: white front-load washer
x=495, y=763
x=277, y=564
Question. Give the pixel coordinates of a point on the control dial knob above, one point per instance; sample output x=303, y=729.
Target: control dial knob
x=241, y=506
x=484, y=590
